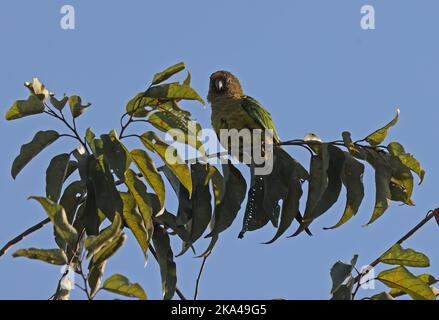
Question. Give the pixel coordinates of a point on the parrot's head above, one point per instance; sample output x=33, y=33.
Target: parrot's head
x=223, y=84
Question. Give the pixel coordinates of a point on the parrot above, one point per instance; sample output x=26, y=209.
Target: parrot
x=232, y=109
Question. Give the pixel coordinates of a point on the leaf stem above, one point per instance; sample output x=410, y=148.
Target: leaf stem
x=68, y=125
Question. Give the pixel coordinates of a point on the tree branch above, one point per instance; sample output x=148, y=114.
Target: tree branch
x=23, y=235
x=431, y=214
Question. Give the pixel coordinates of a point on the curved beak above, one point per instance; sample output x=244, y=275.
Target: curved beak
x=219, y=84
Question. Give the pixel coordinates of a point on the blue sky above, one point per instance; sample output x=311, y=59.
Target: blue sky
x=308, y=62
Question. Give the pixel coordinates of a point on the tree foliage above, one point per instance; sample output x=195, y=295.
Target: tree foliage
x=97, y=191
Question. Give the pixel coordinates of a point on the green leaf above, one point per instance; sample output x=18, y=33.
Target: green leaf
x=166, y=74
x=181, y=129
x=141, y=196
x=383, y=175
x=58, y=217
x=76, y=107
x=70, y=198
x=94, y=278
x=344, y=292
x=187, y=81
x=116, y=154
x=201, y=207
x=169, y=156
x=357, y=152
x=290, y=208
x=228, y=198
x=352, y=177
x=173, y=91
x=318, y=181
x=427, y=278
x=59, y=104
x=378, y=136
x=106, y=196
x=402, y=279
x=404, y=257
x=140, y=224
x=119, y=284
x=107, y=251
x=413, y=164
x=88, y=214
x=149, y=171
x=340, y=271
x=52, y=256
x=22, y=108
x=331, y=193
x=395, y=148
x=382, y=296
x=28, y=151
x=136, y=106
x=209, y=249
x=173, y=108
x=95, y=243
x=165, y=259
x=55, y=176
x=97, y=264
x=401, y=185
x=90, y=139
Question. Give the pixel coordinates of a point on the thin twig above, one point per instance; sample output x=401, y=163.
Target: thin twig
x=129, y=135
x=23, y=235
x=411, y=232
x=197, y=283
x=75, y=252
x=68, y=125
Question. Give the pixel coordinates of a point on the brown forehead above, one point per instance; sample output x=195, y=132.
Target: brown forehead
x=219, y=75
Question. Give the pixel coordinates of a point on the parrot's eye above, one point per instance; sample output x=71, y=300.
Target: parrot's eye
x=219, y=85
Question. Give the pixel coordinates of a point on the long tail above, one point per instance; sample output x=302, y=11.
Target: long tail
x=266, y=191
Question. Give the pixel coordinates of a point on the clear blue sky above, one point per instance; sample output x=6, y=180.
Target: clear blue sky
x=308, y=62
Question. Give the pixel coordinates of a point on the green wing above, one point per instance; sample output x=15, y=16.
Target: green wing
x=260, y=115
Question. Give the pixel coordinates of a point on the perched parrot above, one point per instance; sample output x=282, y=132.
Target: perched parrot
x=232, y=109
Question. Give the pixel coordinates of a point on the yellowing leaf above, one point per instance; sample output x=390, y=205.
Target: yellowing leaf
x=22, y=108
x=413, y=164
x=166, y=74
x=120, y=284
x=95, y=243
x=149, y=171
x=378, y=136
x=427, y=278
x=170, y=157
x=405, y=257
x=173, y=91
x=402, y=279
x=140, y=224
x=52, y=256
x=58, y=217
